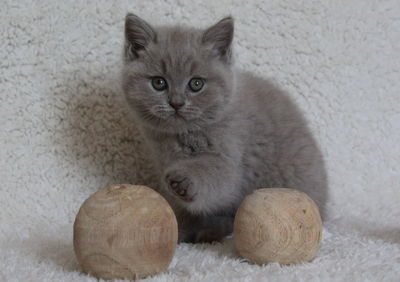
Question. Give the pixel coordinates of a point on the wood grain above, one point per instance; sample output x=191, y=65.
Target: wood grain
x=125, y=231
x=277, y=225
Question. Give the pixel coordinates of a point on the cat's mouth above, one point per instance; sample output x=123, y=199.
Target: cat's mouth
x=176, y=117
x=179, y=116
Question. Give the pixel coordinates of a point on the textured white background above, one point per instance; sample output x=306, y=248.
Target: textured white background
x=65, y=130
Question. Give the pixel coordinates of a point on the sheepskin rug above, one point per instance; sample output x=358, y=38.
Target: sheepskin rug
x=65, y=130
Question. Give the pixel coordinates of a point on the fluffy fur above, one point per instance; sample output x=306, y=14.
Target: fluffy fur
x=238, y=133
x=64, y=129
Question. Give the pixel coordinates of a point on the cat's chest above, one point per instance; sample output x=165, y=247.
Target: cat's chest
x=170, y=146
x=194, y=142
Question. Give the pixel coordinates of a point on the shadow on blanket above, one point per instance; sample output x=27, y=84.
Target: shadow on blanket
x=100, y=135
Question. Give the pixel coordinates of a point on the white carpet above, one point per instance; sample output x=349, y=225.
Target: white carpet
x=64, y=130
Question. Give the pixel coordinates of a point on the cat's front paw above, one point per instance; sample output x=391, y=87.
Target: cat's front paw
x=180, y=185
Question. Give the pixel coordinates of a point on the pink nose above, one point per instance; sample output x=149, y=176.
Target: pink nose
x=176, y=105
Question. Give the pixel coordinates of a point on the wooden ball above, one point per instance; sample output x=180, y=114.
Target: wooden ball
x=277, y=225
x=125, y=232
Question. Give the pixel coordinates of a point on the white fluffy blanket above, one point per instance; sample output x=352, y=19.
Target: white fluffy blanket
x=64, y=130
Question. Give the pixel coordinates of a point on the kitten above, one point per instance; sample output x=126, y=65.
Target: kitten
x=216, y=133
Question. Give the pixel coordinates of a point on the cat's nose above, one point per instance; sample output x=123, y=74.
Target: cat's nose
x=176, y=105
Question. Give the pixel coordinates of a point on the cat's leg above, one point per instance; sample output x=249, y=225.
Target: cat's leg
x=206, y=183
x=203, y=229
x=207, y=187
x=214, y=228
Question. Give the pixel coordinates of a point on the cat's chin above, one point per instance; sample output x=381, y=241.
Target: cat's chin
x=173, y=124
x=168, y=127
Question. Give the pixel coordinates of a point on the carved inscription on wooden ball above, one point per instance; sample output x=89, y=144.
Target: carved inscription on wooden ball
x=125, y=231
x=277, y=225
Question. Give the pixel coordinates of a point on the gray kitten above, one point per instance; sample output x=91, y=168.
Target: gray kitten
x=216, y=133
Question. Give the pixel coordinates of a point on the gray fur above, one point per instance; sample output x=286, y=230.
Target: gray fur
x=239, y=133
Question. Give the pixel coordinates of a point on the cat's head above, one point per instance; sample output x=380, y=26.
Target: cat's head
x=177, y=78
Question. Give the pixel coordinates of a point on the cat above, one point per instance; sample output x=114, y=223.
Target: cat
x=216, y=133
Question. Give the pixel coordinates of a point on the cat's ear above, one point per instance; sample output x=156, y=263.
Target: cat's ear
x=219, y=38
x=138, y=34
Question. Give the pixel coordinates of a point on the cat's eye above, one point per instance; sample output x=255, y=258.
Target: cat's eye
x=196, y=84
x=159, y=83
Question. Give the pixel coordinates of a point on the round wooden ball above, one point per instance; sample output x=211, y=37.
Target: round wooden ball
x=277, y=225
x=125, y=232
